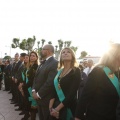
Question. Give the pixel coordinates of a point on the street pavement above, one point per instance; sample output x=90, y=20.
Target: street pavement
x=7, y=110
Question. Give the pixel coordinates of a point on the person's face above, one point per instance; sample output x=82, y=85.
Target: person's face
x=22, y=58
x=85, y=63
x=16, y=57
x=66, y=55
x=26, y=60
x=33, y=57
x=90, y=63
x=44, y=52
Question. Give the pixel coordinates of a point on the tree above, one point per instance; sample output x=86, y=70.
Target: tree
x=74, y=48
x=43, y=41
x=7, y=58
x=83, y=54
x=64, y=44
x=50, y=42
x=68, y=43
x=26, y=44
x=15, y=43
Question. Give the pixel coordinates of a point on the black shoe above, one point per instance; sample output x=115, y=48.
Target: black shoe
x=9, y=92
x=26, y=117
x=22, y=113
x=18, y=109
x=13, y=103
x=16, y=105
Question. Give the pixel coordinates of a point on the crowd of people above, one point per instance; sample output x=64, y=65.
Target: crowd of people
x=63, y=89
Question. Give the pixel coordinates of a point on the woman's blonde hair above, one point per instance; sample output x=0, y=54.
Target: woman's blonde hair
x=73, y=62
x=111, y=56
x=27, y=64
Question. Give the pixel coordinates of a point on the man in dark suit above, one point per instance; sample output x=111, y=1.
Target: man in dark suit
x=18, y=79
x=15, y=70
x=7, y=75
x=43, y=81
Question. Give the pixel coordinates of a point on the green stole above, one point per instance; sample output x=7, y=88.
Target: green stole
x=23, y=76
x=61, y=94
x=33, y=101
x=113, y=79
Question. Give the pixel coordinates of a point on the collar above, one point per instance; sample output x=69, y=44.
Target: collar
x=17, y=61
x=48, y=58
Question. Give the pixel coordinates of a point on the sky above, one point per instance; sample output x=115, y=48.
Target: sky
x=89, y=24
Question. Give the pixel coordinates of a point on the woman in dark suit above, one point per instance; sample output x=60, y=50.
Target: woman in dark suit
x=63, y=102
x=101, y=93
x=29, y=78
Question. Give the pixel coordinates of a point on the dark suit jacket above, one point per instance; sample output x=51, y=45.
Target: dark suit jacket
x=15, y=68
x=69, y=85
x=7, y=70
x=99, y=97
x=18, y=74
x=43, y=80
x=30, y=75
x=118, y=111
x=1, y=72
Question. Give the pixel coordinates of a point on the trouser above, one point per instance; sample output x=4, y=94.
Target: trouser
x=7, y=83
x=43, y=112
x=13, y=89
x=33, y=114
x=0, y=84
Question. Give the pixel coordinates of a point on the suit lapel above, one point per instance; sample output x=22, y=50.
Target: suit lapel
x=43, y=66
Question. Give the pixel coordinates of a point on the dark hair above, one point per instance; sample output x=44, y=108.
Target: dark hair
x=23, y=54
x=17, y=54
x=36, y=56
x=27, y=64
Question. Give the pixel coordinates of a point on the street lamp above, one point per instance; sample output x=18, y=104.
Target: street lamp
x=10, y=49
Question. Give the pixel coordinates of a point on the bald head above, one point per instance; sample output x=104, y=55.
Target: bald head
x=90, y=63
x=49, y=47
x=47, y=50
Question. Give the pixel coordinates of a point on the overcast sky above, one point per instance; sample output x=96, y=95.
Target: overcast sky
x=89, y=24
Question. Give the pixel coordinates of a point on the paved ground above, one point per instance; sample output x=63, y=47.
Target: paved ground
x=7, y=110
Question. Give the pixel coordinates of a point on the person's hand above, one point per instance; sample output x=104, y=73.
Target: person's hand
x=16, y=80
x=34, y=94
x=22, y=92
x=77, y=119
x=13, y=79
x=54, y=113
x=20, y=86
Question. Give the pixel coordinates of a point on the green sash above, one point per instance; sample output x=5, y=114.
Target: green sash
x=61, y=94
x=33, y=101
x=23, y=76
x=113, y=79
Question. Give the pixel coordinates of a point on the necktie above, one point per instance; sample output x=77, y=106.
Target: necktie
x=42, y=62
